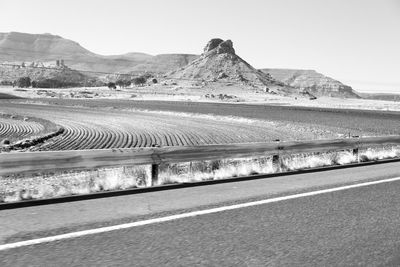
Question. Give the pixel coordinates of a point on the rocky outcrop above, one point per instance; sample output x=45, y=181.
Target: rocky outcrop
x=212, y=44
x=226, y=47
x=219, y=46
x=220, y=63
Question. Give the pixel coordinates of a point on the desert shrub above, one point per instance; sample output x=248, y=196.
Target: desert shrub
x=55, y=83
x=24, y=82
x=5, y=142
x=6, y=82
x=93, y=83
x=111, y=85
x=127, y=83
x=123, y=83
x=215, y=164
x=139, y=80
x=120, y=83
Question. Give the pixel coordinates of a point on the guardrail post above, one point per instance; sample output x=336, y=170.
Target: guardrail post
x=154, y=174
x=276, y=163
x=355, y=153
x=355, y=150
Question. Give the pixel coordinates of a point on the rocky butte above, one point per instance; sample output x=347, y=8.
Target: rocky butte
x=220, y=63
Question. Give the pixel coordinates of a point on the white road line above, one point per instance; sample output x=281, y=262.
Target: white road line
x=185, y=215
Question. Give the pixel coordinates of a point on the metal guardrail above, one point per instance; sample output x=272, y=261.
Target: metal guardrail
x=23, y=162
x=157, y=188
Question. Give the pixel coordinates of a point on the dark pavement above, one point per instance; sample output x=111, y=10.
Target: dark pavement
x=354, y=227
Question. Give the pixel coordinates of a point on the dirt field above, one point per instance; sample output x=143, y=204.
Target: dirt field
x=357, y=122
x=213, y=93
x=95, y=124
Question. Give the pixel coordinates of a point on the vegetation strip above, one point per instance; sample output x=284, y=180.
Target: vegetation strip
x=38, y=202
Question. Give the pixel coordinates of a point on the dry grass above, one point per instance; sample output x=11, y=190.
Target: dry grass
x=213, y=170
x=85, y=182
x=72, y=183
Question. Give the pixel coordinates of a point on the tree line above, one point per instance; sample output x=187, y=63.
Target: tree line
x=138, y=81
x=27, y=82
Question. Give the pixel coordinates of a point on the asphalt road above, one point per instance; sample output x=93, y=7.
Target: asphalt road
x=353, y=227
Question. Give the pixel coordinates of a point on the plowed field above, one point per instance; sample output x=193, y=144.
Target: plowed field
x=97, y=127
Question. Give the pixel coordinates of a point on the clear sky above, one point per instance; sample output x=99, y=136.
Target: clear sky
x=354, y=41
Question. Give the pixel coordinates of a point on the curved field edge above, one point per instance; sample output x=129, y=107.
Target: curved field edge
x=19, y=132
x=133, y=126
x=91, y=128
x=49, y=185
x=377, y=122
x=9, y=96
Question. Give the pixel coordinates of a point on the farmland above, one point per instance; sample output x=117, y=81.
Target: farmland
x=98, y=124
x=20, y=129
x=88, y=128
x=15, y=127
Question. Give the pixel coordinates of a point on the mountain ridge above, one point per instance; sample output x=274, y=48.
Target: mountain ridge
x=19, y=47
x=313, y=82
x=22, y=47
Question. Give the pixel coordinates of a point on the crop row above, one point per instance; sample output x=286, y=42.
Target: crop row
x=83, y=136
x=10, y=128
x=86, y=128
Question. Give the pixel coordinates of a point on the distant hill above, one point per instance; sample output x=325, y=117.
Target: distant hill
x=219, y=62
x=164, y=63
x=137, y=56
x=313, y=82
x=386, y=97
x=24, y=46
x=20, y=47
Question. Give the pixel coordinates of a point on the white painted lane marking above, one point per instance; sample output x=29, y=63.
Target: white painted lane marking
x=185, y=215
